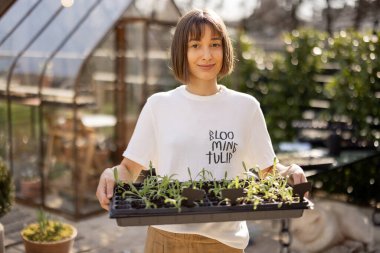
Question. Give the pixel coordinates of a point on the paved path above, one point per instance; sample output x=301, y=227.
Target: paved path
x=101, y=235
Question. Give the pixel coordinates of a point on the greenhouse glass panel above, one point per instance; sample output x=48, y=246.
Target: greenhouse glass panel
x=25, y=143
x=59, y=160
x=94, y=153
x=135, y=53
x=159, y=58
x=14, y=16
x=97, y=122
x=98, y=74
x=33, y=62
x=166, y=11
x=135, y=73
x=163, y=10
x=21, y=37
x=3, y=130
x=65, y=66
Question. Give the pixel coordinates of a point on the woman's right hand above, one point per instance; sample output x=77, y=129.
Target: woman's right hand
x=104, y=192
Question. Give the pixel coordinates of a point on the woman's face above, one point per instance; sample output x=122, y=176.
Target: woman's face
x=205, y=57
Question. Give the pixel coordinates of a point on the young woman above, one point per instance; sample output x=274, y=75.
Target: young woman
x=200, y=124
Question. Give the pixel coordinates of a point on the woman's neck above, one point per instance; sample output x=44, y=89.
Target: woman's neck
x=203, y=89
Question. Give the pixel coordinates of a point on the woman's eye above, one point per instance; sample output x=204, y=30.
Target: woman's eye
x=215, y=45
x=194, y=45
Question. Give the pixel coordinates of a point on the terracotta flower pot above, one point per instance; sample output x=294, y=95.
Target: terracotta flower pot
x=30, y=189
x=63, y=246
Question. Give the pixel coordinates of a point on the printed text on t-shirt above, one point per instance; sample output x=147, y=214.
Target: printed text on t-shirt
x=222, y=146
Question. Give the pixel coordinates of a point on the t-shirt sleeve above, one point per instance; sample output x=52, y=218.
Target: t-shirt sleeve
x=261, y=145
x=142, y=146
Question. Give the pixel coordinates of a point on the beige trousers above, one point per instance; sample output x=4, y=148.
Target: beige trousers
x=159, y=241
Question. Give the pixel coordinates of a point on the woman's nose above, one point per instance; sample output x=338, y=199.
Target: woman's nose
x=206, y=53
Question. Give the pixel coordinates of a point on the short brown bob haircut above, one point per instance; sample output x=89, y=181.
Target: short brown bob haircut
x=191, y=26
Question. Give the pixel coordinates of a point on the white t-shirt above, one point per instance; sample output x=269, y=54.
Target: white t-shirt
x=177, y=130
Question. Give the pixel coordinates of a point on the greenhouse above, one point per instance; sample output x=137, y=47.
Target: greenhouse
x=72, y=83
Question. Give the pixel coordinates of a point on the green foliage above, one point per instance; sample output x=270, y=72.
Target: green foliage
x=355, y=89
x=285, y=83
x=47, y=230
x=6, y=189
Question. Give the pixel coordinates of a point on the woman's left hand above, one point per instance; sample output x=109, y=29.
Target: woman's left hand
x=295, y=173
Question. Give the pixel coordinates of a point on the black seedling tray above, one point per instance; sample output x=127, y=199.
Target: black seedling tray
x=143, y=217
x=128, y=213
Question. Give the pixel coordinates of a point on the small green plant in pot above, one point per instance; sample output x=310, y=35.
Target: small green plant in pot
x=6, y=197
x=6, y=189
x=48, y=235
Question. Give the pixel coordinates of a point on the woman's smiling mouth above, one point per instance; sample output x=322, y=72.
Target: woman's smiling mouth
x=206, y=66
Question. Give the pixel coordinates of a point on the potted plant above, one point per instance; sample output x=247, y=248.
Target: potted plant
x=6, y=189
x=30, y=184
x=48, y=235
x=6, y=197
